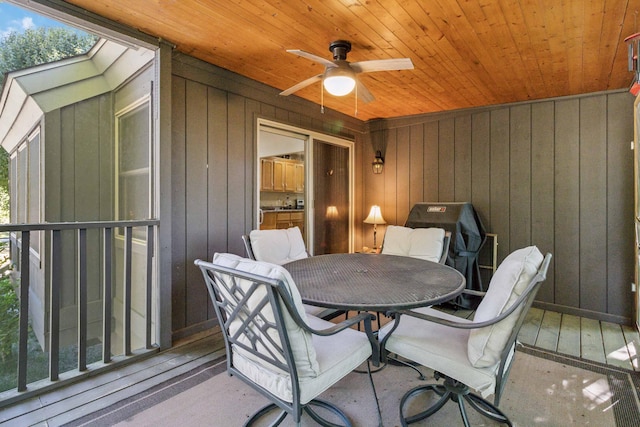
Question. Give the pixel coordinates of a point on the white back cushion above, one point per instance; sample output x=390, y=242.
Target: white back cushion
x=423, y=243
x=301, y=341
x=509, y=281
x=278, y=246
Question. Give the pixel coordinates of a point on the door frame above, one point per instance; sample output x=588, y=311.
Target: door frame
x=636, y=209
x=311, y=136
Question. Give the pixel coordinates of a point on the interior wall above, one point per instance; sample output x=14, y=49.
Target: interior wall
x=213, y=161
x=556, y=173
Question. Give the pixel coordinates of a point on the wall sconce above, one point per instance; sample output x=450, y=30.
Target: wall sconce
x=378, y=163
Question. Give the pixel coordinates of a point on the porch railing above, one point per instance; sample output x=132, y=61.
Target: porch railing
x=23, y=233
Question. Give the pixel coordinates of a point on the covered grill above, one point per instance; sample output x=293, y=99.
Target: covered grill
x=467, y=237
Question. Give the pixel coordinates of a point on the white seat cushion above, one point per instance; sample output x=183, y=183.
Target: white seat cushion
x=337, y=356
x=302, y=347
x=509, y=281
x=278, y=246
x=423, y=243
x=441, y=348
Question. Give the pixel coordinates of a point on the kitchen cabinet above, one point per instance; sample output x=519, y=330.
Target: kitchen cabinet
x=281, y=175
x=289, y=177
x=290, y=219
x=266, y=174
x=268, y=221
x=299, y=177
x=272, y=175
x=278, y=175
x=282, y=219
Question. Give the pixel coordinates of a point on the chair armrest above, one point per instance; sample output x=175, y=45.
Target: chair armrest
x=362, y=317
x=476, y=325
x=474, y=292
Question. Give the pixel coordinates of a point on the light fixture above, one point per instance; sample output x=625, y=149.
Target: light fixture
x=378, y=163
x=332, y=213
x=375, y=218
x=340, y=80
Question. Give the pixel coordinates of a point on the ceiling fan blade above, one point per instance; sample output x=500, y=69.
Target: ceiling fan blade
x=363, y=93
x=382, y=65
x=302, y=84
x=312, y=57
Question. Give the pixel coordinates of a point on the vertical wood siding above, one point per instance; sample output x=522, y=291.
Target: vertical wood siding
x=556, y=173
x=214, y=119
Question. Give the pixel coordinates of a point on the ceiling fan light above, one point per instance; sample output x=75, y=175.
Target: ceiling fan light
x=339, y=85
x=339, y=81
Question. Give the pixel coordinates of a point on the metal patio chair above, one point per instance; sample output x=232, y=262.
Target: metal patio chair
x=431, y=244
x=279, y=247
x=470, y=355
x=272, y=345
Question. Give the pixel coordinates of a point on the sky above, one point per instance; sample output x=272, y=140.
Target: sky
x=14, y=18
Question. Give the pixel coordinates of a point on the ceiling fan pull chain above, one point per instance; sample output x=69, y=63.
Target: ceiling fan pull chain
x=322, y=99
x=356, y=112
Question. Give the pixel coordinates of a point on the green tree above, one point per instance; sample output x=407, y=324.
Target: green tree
x=19, y=50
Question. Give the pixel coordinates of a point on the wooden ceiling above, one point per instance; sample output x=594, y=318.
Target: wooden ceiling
x=466, y=53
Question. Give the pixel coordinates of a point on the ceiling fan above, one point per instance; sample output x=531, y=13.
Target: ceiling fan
x=340, y=76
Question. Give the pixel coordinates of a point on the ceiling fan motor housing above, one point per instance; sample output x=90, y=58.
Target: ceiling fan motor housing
x=339, y=48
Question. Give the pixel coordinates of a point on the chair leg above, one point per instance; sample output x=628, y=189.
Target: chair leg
x=445, y=395
x=329, y=407
x=308, y=408
x=265, y=410
x=487, y=409
x=451, y=390
x=408, y=365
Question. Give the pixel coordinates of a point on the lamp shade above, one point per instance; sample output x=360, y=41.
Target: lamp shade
x=332, y=213
x=339, y=81
x=375, y=216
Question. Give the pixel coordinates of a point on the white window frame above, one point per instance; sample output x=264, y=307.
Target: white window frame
x=132, y=107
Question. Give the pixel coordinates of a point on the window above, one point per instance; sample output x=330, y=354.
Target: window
x=25, y=186
x=133, y=133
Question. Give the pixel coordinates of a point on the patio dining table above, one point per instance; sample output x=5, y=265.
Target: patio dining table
x=374, y=282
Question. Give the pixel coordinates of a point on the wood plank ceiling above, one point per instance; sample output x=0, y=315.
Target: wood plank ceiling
x=467, y=53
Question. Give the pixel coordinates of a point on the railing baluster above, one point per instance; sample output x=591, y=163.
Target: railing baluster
x=128, y=235
x=51, y=266
x=54, y=310
x=82, y=299
x=24, y=311
x=148, y=314
x=107, y=310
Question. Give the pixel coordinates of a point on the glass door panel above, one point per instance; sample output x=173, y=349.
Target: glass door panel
x=331, y=198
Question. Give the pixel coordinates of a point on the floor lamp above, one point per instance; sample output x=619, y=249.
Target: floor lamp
x=375, y=218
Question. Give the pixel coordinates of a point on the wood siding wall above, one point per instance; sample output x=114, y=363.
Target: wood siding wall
x=214, y=121
x=557, y=174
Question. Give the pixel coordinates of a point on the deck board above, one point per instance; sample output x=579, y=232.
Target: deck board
x=69, y=403
x=592, y=347
x=549, y=331
x=615, y=347
x=529, y=331
x=569, y=339
x=632, y=339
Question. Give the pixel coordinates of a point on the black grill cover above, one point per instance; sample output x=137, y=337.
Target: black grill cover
x=467, y=237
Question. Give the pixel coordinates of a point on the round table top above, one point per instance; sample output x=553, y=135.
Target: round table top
x=374, y=282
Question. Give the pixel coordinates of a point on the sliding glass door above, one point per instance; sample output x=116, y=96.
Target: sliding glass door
x=318, y=199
